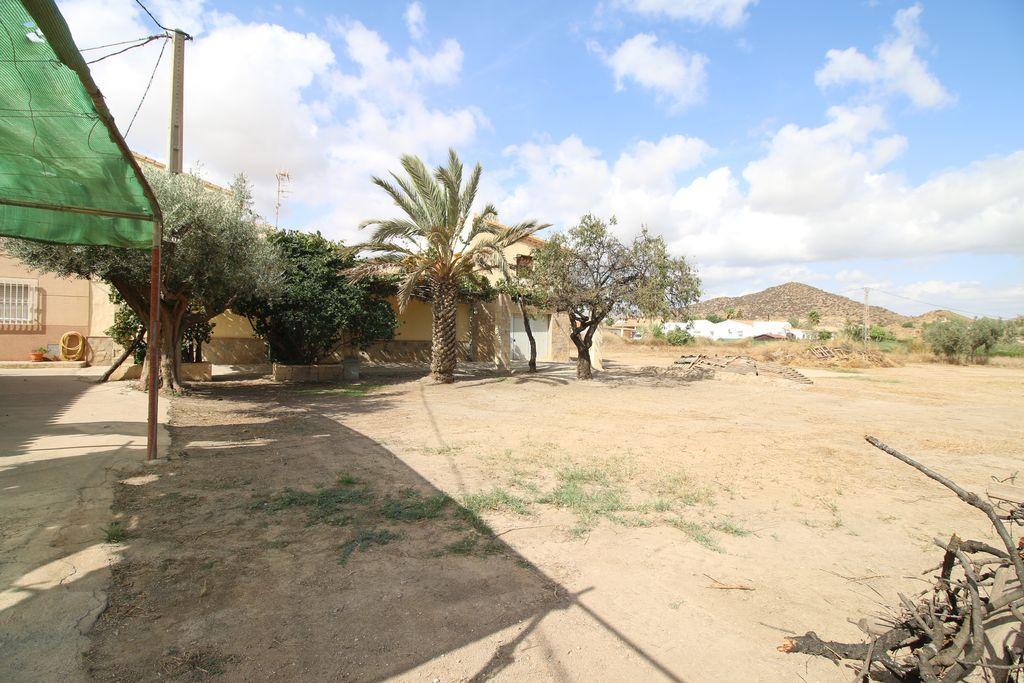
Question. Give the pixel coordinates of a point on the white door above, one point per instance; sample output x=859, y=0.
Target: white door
x=521, y=343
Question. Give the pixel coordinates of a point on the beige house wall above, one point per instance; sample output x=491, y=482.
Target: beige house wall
x=61, y=305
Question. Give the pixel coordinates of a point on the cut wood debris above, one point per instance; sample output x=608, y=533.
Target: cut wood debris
x=969, y=622
x=743, y=365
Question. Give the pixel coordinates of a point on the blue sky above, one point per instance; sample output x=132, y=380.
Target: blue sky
x=841, y=144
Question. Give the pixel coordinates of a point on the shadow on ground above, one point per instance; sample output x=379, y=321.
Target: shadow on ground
x=278, y=543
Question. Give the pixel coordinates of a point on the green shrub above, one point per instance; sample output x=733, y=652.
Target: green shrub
x=319, y=305
x=794, y=323
x=908, y=325
x=978, y=339
x=877, y=333
x=947, y=339
x=712, y=318
x=824, y=335
x=679, y=337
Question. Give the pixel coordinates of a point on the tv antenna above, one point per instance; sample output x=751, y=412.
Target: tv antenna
x=283, y=178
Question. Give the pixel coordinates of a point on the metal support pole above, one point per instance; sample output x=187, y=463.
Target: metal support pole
x=153, y=347
x=174, y=154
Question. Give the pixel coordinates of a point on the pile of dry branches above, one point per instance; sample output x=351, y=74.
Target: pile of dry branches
x=969, y=623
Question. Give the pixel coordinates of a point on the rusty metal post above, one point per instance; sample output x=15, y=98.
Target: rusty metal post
x=153, y=347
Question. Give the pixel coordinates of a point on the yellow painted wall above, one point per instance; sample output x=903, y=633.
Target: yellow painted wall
x=231, y=326
x=63, y=306
x=101, y=309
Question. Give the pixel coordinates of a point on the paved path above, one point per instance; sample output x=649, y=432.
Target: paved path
x=61, y=435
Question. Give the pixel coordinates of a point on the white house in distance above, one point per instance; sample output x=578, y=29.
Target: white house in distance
x=735, y=329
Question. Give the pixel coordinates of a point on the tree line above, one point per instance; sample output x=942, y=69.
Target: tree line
x=305, y=294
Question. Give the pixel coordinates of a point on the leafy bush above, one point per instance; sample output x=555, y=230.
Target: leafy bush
x=679, y=337
x=908, y=325
x=813, y=318
x=955, y=338
x=853, y=331
x=947, y=339
x=794, y=322
x=824, y=335
x=877, y=333
x=318, y=306
x=657, y=331
x=712, y=318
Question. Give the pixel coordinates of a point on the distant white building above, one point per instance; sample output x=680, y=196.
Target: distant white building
x=735, y=329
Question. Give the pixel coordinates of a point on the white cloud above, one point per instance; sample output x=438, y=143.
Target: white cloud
x=561, y=181
x=288, y=105
x=896, y=67
x=674, y=74
x=416, y=20
x=726, y=13
x=821, y=193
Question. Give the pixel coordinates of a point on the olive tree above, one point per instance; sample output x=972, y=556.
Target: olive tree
x=213, y=252
x=588, y=273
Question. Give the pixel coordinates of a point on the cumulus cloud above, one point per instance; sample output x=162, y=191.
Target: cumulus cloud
x=725, y=13
x=559, y=181
x=676, y=75
x=821, y=193
x=415, y=20
x=260, y=98
x=896, y=67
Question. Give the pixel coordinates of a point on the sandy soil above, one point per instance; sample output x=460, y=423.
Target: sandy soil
x=616, y=507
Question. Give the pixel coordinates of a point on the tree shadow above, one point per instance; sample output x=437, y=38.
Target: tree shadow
x=289, y=545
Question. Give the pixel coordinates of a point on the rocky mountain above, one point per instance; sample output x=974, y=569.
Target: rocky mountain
x=795, y=300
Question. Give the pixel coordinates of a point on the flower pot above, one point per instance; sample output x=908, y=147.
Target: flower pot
x=37, y=356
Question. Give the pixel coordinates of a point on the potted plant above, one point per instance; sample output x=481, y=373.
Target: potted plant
x=39, y=355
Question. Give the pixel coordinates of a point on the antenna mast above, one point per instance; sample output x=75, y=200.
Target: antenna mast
x=283, y=178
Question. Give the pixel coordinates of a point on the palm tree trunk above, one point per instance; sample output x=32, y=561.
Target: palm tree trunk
x=444, y=345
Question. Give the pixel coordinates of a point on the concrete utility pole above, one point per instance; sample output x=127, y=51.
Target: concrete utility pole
x=174, y=149
x=866, y=327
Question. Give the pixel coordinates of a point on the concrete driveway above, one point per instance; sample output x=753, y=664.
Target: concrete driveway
x=62, y=438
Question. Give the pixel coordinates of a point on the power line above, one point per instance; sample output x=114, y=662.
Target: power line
x=145, y=92
x=928, y=303
x=146, y=10
x=123, y=42
x=147, y=41
x=919, y=301
x=169, y=30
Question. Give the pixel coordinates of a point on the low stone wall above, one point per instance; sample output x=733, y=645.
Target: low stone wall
x=328, y=372
x=190, y=372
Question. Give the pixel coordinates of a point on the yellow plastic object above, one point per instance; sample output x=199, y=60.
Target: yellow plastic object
x=72, y=346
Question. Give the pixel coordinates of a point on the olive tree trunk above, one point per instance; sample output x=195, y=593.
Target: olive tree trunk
x=444, y=344
x=172, y=327
x=582, y=337
x=529, y=335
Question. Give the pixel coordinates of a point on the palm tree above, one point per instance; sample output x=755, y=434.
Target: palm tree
x=430, y=248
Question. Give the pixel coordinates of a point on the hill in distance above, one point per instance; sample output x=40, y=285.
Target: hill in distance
x=795, y=300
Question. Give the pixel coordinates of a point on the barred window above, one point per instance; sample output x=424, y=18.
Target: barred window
x=17, y=300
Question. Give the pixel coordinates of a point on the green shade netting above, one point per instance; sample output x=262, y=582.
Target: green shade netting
x=65, y=173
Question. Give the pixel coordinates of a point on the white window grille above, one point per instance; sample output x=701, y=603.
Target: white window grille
x=17, y=301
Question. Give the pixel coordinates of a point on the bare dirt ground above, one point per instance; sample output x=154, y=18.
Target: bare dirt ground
x=539, y=528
